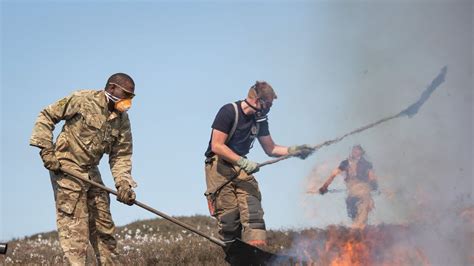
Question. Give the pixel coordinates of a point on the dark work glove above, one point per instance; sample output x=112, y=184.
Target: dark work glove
x=50, y=161
x=323, y=190
x=301, y=151
x=125, y=193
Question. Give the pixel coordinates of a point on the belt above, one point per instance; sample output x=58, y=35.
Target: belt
x=209, y=160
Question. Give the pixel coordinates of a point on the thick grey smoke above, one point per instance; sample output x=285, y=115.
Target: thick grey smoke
x=425, y=164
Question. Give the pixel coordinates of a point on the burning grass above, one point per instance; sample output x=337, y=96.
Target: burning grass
x=374, y=245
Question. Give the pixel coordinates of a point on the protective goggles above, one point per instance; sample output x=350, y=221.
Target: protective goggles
x=128, y=92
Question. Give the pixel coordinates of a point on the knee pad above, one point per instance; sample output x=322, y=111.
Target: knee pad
x=230, y=220
x=255, y=213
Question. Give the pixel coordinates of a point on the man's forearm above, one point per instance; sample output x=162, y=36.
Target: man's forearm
x=120, y=163
x=42, y=136
x=225, y=152
x=329, y=180
x=279, y=151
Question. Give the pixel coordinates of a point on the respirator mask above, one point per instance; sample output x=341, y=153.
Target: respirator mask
x=261, y=114
x=121, y=105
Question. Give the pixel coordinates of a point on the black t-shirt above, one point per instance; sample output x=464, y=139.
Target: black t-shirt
x=244, y=134
x=363, y=168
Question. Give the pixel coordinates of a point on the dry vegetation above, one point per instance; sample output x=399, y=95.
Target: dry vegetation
x=148, y=242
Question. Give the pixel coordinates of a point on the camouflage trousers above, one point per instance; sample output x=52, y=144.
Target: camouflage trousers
x=83, y=217
x=238, y=208
x=359, y=203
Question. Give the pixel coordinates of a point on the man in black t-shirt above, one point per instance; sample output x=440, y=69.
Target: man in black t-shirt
x=360, y=180
x=232, y=191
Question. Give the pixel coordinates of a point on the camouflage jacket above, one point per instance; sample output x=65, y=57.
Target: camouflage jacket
x=90, y=130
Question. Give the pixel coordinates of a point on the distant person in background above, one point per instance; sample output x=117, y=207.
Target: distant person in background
x=360, y=181
x=232, y=190
x=96, y=122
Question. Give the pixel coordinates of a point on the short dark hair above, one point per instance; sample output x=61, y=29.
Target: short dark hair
x=121, y=79
x=261, y=89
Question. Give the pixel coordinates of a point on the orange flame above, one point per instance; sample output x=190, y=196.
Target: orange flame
x=355, y=254
x=375, y=245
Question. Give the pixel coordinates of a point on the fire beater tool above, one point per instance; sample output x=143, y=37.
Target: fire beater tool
x=237, y=251
x=410, y=111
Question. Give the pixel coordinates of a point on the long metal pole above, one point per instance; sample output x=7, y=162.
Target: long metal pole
x=146, y=207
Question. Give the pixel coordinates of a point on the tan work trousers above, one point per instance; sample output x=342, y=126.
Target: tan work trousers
x=359, y=203
x=237, y=205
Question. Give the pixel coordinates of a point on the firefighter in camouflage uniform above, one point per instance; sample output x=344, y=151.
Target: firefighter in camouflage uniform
x=96, y=122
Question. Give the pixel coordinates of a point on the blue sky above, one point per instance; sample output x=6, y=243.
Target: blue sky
x=334, y=65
